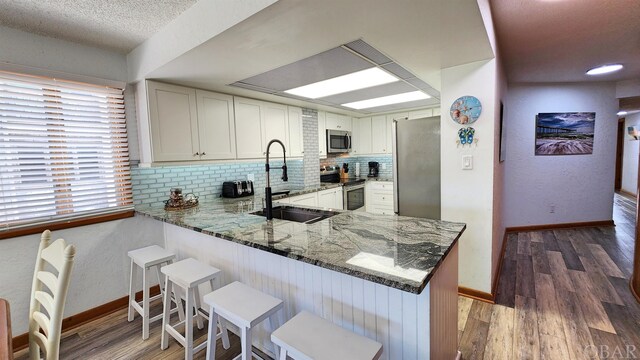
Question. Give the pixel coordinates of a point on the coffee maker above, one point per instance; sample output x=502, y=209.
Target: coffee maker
x=374, y=168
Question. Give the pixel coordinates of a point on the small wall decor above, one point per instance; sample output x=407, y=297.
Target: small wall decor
x=466, y=136
x=466, y=110
x=634, y=132
x=569, y=133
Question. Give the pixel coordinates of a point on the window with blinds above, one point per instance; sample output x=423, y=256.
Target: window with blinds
x=63, y=151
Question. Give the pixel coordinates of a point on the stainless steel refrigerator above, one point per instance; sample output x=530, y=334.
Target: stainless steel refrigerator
x=416, y=167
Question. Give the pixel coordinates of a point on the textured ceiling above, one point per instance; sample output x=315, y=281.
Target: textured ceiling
x=118, y=25
x=559, y=40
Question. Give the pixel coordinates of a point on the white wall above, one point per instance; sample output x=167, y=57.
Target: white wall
x=101, y=265
x=580, y=186
x=630, y=157
x=467, y=195
x=22, y=48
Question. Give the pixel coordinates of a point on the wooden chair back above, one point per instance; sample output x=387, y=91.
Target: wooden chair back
x=6, y=350
x=48, y=294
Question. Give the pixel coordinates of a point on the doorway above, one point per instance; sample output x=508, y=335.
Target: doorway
x=619, y=154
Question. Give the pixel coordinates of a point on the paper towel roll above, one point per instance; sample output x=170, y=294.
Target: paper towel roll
x=357, y=169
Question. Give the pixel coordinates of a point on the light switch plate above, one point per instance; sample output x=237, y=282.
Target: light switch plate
x=467, y=162
x=251, y=177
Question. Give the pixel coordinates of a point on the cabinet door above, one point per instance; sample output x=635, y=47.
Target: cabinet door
x=275, y=127
x=338, y=199
x=362, y=136
x=174, y=122
x=338, y=122
x=327, y=198
x=296, y=138
x=305, y=200
x=418, y=114
x=216, y=125
x=322, y=134
x=248, y=128
x=379, y=134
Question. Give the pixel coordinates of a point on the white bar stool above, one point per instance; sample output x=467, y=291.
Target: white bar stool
x=188, y=274
x=307, y=337
x=146, y=258
x=245, y=307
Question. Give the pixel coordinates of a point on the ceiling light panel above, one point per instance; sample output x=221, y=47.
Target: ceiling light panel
x=605, y=69
x=387, y=100
x=393, y=88
x=345, y=83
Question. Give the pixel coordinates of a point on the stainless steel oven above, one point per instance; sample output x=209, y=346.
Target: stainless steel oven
x=353, y=196
x=338, y=141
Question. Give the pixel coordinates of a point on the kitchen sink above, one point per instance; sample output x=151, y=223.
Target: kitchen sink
x=301, y=215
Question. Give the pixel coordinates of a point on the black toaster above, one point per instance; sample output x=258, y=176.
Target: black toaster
x=235, y=189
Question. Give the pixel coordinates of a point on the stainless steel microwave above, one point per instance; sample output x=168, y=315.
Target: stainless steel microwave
x=338, y=141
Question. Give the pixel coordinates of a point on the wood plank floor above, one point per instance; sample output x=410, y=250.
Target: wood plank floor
x=563, y=294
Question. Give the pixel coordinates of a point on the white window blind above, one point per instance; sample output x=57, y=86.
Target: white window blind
x=63, y=150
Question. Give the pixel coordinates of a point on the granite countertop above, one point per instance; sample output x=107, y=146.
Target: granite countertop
x=396, y=251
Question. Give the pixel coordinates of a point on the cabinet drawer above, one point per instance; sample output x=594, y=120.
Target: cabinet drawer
x=380, y=209
x=381, y=185
x=383, y=199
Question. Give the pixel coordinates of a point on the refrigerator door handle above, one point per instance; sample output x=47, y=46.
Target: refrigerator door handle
x=394, y=149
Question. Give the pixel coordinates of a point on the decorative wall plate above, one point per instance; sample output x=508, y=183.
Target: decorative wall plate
x=466, y=110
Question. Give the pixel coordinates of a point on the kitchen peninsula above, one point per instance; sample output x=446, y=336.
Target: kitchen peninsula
x=389, y=278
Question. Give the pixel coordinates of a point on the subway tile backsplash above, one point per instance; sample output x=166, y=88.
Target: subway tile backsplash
x=364, y=163
x=151, y=185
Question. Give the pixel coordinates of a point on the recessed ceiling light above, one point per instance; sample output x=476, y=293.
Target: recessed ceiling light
x=345, y=83
x=387, y=100
x=621, y=113
x=604, y=69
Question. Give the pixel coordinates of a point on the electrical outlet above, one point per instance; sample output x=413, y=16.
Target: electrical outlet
x=251, y=177
x=552, y=209
x=384, y=166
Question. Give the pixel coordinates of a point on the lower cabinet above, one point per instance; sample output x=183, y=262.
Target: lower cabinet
x=331, y=198
x=379, y=197
x=305, y=200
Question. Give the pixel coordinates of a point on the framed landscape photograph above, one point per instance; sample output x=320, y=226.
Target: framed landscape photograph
x=568, y=133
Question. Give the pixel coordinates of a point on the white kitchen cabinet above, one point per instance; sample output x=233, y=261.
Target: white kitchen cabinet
x=322, y=134
x=379, y=197
x=361, y=136
x=296, y=137
x=216, y=125
x=338, y=122
x=418, y=114
x=436, y=111
x=305, y=200
x=275, y=126
x=379, y=134
x=389, y=129
x=248, y=128
x=173, y=119
x=331, y=198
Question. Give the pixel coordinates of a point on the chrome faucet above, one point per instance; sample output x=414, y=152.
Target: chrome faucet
x=268, y=209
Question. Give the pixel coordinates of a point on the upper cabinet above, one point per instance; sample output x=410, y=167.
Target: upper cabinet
x=296, y=144
x=249, y=126
x=338, y=122
x=322, y=134
x=216, y=125
x=173, y=122
x=379, y=134
x=361, y=136
x=276, y=127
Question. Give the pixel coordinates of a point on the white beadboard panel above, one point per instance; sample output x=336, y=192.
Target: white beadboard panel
x=444, y=298
x=398, y=319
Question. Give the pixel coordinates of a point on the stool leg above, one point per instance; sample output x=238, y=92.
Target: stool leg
x=132, y=294
x=225, y=335
x=246, y=344
x=283, y=354
x=213, y=334
x=273, y=322
x=166, y=306
x=145, y=304
x=196, y=300
x=178, y=302
x=160, y=282
x=188, y=328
